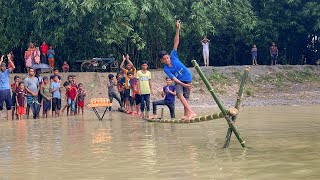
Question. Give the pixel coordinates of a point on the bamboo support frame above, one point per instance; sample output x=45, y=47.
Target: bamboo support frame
x=231, y=112
x=223, y=110
x=243, y=81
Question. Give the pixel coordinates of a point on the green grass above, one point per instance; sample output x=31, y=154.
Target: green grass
x=281, y=79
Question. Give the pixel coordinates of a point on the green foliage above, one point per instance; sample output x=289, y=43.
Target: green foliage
x=141, y=28
x=249, y=91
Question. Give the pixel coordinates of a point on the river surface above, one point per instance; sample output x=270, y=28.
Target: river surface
x=284, y=144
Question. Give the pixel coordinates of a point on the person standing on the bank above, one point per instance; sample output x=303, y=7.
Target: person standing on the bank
x=28, y=59
x=5, y=94
x=46, y=97
x=36, y=56
x=274, y=53
x=205, y=50
x=55, y=73
x=44, y=52
x=51, y=54
x=56, y=95
x=254, y=53
x=31, y=84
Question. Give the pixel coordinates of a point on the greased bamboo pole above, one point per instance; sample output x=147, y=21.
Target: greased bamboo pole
x=223, y=110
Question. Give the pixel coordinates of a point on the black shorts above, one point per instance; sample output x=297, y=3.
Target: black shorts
x=135, y=101
x=122, y=96
x=46, y=106
x=127, y=94
x=56, y=104
x=14, y=100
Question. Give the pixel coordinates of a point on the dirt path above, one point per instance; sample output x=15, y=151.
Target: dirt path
x=276, y=85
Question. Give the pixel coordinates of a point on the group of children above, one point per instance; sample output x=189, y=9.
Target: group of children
x=135, y=86
x=49, y=96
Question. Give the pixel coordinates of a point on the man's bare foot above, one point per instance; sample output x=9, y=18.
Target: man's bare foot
x=153, y=117
x=193, y=115
x=184, y=118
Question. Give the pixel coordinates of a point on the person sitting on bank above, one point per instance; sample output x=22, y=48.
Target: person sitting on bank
x=65, y=67
x=168, y=91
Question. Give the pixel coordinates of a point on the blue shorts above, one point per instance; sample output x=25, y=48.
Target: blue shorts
x=5, y=96
x=29, y=100
x=254, y=57
x=46, y=106
x=71, y=104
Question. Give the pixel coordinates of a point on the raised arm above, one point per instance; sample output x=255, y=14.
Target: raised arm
x=12, y=66
x=176, y=37
x=128, y=59
x=122, y=63
x=1, y=60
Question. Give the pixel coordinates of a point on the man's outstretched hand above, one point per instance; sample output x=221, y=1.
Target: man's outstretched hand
x=178, y=24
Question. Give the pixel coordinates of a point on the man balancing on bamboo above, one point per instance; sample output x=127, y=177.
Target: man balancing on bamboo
x=178, y=72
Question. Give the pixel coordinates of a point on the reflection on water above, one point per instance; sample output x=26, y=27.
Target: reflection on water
x=283, y=145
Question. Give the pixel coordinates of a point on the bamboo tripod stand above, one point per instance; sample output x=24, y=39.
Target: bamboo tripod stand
x=230, y=119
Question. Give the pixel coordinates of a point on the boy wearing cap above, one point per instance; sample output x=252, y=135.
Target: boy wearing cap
x=5, y=94
x=178, y=72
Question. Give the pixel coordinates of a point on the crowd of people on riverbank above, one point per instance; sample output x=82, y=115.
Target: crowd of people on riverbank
x=134, y=88
x=273, y=50
x=133, y=91
x=38, y=93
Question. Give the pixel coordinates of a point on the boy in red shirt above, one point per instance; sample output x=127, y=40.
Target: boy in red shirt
x=71, y=96
x=134, y=94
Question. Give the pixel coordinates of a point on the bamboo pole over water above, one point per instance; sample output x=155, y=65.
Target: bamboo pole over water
x=237, y=105
x=231, y=112
x=223, y=110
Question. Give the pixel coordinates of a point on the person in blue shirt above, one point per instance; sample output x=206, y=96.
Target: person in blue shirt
x=169, y=93
x=178, y=72
x=5, y=94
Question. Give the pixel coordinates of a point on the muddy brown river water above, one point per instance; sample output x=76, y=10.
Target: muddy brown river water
x=283, y=140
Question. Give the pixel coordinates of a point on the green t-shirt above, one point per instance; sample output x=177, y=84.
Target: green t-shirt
x=144, y=81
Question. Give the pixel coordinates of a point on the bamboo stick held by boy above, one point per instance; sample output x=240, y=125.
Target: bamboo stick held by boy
x=178, y=72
